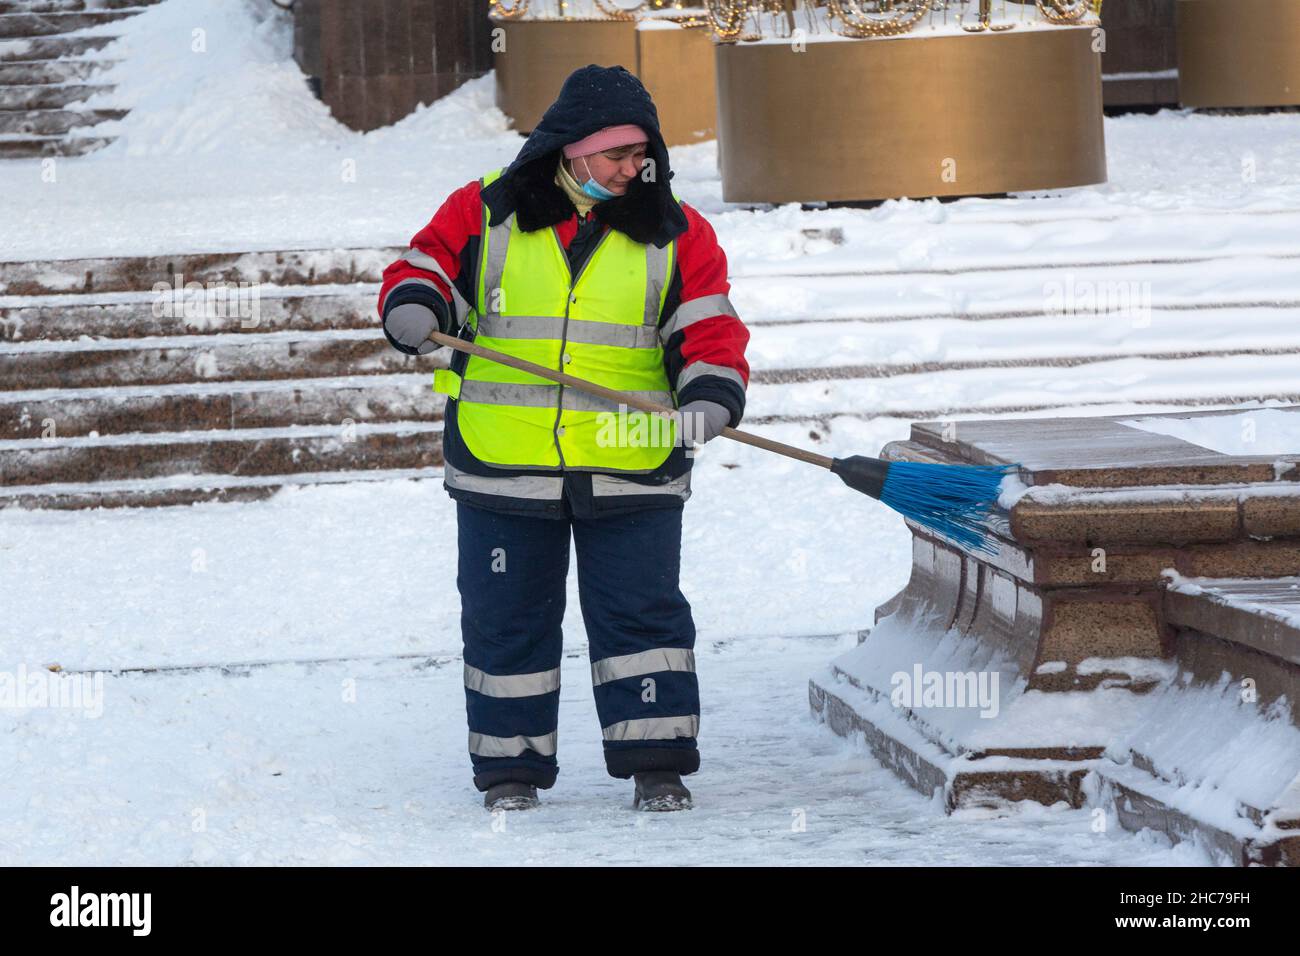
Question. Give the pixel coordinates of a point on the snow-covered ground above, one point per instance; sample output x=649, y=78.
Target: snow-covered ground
x=275, y=767
x=360, y=758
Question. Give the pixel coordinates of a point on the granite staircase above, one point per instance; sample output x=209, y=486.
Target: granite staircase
x=48, y=70
x=121, y=386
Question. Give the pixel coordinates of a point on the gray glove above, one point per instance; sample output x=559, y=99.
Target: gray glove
x=410, y=324
x=702, y=421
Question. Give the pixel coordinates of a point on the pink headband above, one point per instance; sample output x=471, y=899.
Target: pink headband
x=607, y=138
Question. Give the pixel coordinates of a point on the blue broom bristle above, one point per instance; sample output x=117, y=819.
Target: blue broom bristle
x=952, y=500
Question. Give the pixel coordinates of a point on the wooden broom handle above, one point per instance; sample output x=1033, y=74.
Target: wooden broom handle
x=617, y=397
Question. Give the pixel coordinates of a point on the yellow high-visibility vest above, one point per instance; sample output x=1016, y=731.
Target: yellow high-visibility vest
x=602, y=326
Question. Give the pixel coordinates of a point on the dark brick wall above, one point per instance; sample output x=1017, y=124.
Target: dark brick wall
x=374, y=61
x=1139, y=39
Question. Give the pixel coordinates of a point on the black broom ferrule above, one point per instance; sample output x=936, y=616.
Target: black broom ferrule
x=862, y=473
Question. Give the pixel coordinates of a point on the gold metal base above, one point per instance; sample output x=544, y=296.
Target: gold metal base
x=1239, y=53
x=675, y=65
x=914, y=116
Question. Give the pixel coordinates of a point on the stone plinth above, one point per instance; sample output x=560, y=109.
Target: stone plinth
x=1142, y=586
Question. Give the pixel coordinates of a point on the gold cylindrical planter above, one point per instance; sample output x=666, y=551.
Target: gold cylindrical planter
x=1239, y=52
x=912, y=116
x=675, y=64
x=535, y=56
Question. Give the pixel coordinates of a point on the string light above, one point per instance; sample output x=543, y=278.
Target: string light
x=691, y=14
x=1065, y=11
x=613, y=12
x=741, y=20
x=498, y=9
x=732, y=19
x=890, y=18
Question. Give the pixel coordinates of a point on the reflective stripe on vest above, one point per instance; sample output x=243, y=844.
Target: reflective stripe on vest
x=550, y=487
x=602, y=325
x=536, y=396
x=541, y=487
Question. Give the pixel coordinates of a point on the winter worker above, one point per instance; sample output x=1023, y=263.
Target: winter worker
x=578, y=257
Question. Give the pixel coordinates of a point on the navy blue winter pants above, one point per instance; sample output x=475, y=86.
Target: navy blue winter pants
x=511, y=577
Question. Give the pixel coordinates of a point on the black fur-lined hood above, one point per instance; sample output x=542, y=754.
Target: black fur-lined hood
x=592, y=98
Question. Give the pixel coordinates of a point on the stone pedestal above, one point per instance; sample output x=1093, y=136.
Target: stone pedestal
x=1140, y=616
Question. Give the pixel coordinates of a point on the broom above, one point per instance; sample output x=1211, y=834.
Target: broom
x=955, y=501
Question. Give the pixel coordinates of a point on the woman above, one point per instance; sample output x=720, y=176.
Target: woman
x=578, y=257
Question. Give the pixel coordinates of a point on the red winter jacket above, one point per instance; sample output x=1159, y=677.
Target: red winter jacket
x=704, y=356
x=716, y=336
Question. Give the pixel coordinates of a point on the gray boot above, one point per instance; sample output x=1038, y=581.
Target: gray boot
x=660, y=790
x=511, y=795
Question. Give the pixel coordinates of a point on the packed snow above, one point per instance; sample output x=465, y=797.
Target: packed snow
x=360, y=757
x=1257, y=432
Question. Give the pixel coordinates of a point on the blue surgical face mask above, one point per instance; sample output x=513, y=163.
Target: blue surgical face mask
x=593, y=188
x=596, y=190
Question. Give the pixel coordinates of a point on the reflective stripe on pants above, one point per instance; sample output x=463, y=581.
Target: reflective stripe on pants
x=483, y=745
x=512, y=685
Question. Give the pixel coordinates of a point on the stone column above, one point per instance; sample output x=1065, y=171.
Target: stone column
x=373, y=63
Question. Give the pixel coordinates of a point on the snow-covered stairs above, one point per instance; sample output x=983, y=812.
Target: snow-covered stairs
x=112, y=393
x=47, y=71
x=107, y=397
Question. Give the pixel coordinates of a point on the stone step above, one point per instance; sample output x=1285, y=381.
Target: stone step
x=25, y=25
x=1120, y=92
x=140, y=273
x=243, y=452
x=261, y=358
x=72, y=6
x=48, y=96
x=1179, y=519
x=52, y=122
x=63, y=318
x=1262, y=615
x=38, y=72
x=255, y=355
x=36, y=147
x=188, y=490
x=50, y=48
x=795, y=376
x=245, y=405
